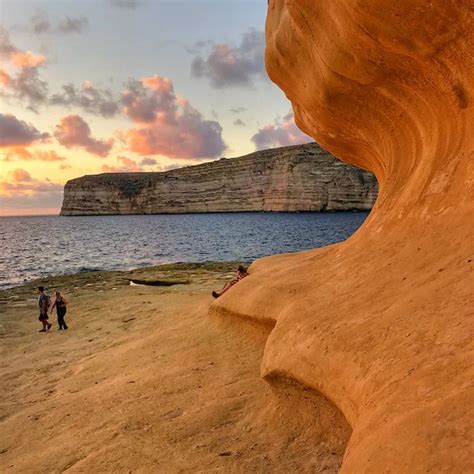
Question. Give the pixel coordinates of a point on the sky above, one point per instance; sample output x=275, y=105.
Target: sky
x=97, y=86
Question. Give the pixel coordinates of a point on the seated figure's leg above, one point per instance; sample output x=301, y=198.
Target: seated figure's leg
x=227, y=286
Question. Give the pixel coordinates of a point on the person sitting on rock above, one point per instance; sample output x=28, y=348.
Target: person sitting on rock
x=241, y=273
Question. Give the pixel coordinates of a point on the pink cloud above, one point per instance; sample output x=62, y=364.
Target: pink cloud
x=283, y=132
x=74, y=132
x=125, y=165
x=167, y=124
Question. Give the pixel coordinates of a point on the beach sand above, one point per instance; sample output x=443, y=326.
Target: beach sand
x=145, y=380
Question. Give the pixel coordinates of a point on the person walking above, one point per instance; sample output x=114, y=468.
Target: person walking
x=60, y=304
x=44, y=302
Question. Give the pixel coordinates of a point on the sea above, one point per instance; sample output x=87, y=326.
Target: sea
x=39, y=246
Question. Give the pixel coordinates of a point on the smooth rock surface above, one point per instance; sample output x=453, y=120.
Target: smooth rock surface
x=297, y=178
x=381, y=324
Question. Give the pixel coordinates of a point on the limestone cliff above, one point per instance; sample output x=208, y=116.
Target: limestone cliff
x=297, y=178
x=381, y=324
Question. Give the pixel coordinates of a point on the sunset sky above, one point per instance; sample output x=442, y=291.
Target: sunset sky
x=96, y=86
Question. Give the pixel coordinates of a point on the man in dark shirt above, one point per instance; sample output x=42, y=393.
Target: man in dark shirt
x=43, y=303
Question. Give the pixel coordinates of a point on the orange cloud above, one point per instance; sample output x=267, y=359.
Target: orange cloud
x=74, y=132
x=27, y=59
x=47, y=155
x=20, y=176
x=126, y=165
x=24, y=154
x=158, y=84
x=5, y=78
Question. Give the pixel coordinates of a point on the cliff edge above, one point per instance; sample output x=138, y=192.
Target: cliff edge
x=381, y=324
x=296, y=178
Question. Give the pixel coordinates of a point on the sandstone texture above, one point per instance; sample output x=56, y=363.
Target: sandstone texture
x=297, y=178
x=381, y=324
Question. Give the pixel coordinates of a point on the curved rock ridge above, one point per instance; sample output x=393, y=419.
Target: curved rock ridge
x=296, y=178
x=381, y=324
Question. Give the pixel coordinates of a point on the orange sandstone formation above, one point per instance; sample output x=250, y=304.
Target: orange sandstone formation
x=381, y=324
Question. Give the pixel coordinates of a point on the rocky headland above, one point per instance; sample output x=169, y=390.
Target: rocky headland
x=297, y=178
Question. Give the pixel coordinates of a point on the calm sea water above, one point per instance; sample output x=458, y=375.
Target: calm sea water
x=32, y=247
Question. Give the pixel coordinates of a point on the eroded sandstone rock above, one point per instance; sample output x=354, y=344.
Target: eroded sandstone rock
x=297, y=178
x=381, y=324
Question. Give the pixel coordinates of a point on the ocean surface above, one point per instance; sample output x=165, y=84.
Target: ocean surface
x=33, y=247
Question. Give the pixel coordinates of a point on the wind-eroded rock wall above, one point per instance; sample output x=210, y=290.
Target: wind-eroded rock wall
x=381, y=324
x=298, y=178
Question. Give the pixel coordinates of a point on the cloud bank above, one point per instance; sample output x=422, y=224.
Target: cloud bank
x=20, y=183
x=19, y=190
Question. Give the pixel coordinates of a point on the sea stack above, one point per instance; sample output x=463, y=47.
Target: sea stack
x=381, y=324
x=295, y=178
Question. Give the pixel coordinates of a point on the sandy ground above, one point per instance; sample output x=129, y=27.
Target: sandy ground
x=145, y=381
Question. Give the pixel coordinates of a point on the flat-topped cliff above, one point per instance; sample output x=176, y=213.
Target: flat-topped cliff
x=296, y=178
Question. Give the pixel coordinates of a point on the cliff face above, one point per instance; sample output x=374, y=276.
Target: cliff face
x=381, y=324
x=298, y=178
